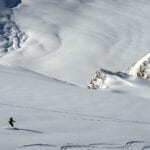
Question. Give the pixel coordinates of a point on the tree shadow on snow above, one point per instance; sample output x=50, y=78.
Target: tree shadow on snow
x=118, y=91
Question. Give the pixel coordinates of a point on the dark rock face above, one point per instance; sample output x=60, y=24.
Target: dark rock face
x=11, y=3
x=11, y=37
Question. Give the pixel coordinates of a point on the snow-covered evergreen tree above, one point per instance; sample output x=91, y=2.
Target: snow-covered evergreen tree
x=141, y=68
x=98, y=81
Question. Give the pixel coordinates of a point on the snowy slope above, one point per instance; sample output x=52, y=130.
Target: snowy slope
x=50, y=50
x=70, y=39
x=50, y=118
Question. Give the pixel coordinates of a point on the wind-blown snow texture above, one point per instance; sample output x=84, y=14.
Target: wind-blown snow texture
x=96, y=34
x=63, y=43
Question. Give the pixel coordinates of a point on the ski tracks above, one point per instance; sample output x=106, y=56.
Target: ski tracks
x=131, y=145
x=86, y=117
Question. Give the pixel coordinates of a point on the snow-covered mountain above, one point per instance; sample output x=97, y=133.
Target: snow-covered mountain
x=49, y=50
x=65, y=33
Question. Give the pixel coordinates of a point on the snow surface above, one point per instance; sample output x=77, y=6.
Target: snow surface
x=51, y=114
x=63, y=43
x=71, y=39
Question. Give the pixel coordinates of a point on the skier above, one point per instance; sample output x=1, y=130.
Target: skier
x=11, y=121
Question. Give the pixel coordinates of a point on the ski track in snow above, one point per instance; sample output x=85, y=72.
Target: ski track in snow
x=125, y=34
x=86, y=117
x=131, y=145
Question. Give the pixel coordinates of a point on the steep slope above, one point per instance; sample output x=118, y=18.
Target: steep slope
x=69, y=40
